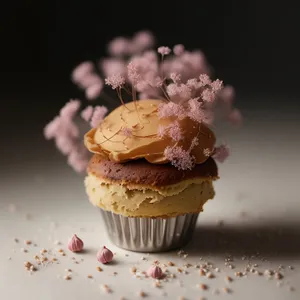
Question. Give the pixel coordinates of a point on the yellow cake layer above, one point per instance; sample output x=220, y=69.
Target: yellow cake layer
x=188, y=196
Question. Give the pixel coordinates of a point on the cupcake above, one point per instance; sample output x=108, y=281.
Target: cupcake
x=147, y=203
x=150, y=162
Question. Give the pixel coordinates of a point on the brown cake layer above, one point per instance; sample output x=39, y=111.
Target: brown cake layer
x=144, y=173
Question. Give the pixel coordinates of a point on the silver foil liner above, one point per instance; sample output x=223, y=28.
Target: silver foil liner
x=149, y=234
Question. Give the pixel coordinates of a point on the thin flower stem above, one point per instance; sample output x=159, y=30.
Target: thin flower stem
x=164, y=92
x=119, y=92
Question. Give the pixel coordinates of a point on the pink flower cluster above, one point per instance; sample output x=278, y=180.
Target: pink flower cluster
x=178, y=76
x=85, y=77
x=66, y=134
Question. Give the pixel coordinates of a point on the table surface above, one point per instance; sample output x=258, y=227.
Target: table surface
x=252, y=222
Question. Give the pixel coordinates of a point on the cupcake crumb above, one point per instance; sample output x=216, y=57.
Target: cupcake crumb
x=106, y=288
x=142, y=294
x=228, y=279
x=99, y=269
x=227, y=290
x=202, y=272
x=210, y=275
x=278, y=276
x=28, y=265
x=238, y=274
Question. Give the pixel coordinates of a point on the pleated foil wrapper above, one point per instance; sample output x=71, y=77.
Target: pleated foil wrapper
x=149, y=234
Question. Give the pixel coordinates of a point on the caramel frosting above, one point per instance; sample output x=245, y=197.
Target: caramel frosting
x=141, y=119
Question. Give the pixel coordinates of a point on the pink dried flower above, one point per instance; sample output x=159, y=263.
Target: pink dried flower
x=78, y=158
x=65, y=144
x=150, y=56
x=105, y=255
x=204, y=80
x=113, y=66
x=87, y=113
x=226, y=95
x=158, y=82
x=178, y=49
x=170, y=109
x=196, y=111
x=82, y=70
x=194, y=143
x=142, y=86
x=143, y=96
x=142, y=40
x=192, y=83
x=174, y=132
x=235, y=117
x=119, y=46
x=98, y=115
x=221, y=153
x=79, y=166
x=126, y=131
x=181, y=91
x=172, y=89
x=93, y=91
x=75, y=244
x=89, y=80
x=115, y=81
x=208, y=95
x=68, y=129
x=70, y=109
x=162, y=131
x=51, y=129
x=179, y=158
x=176, y=78
x=188, y=64
x=164, y=50
x=133, y=73
x=216, y=85
x=155, y=272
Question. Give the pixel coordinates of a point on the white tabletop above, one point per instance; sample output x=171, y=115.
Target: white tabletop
x=254, y=219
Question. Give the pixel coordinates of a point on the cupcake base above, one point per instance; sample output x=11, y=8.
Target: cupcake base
x=149, y=234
